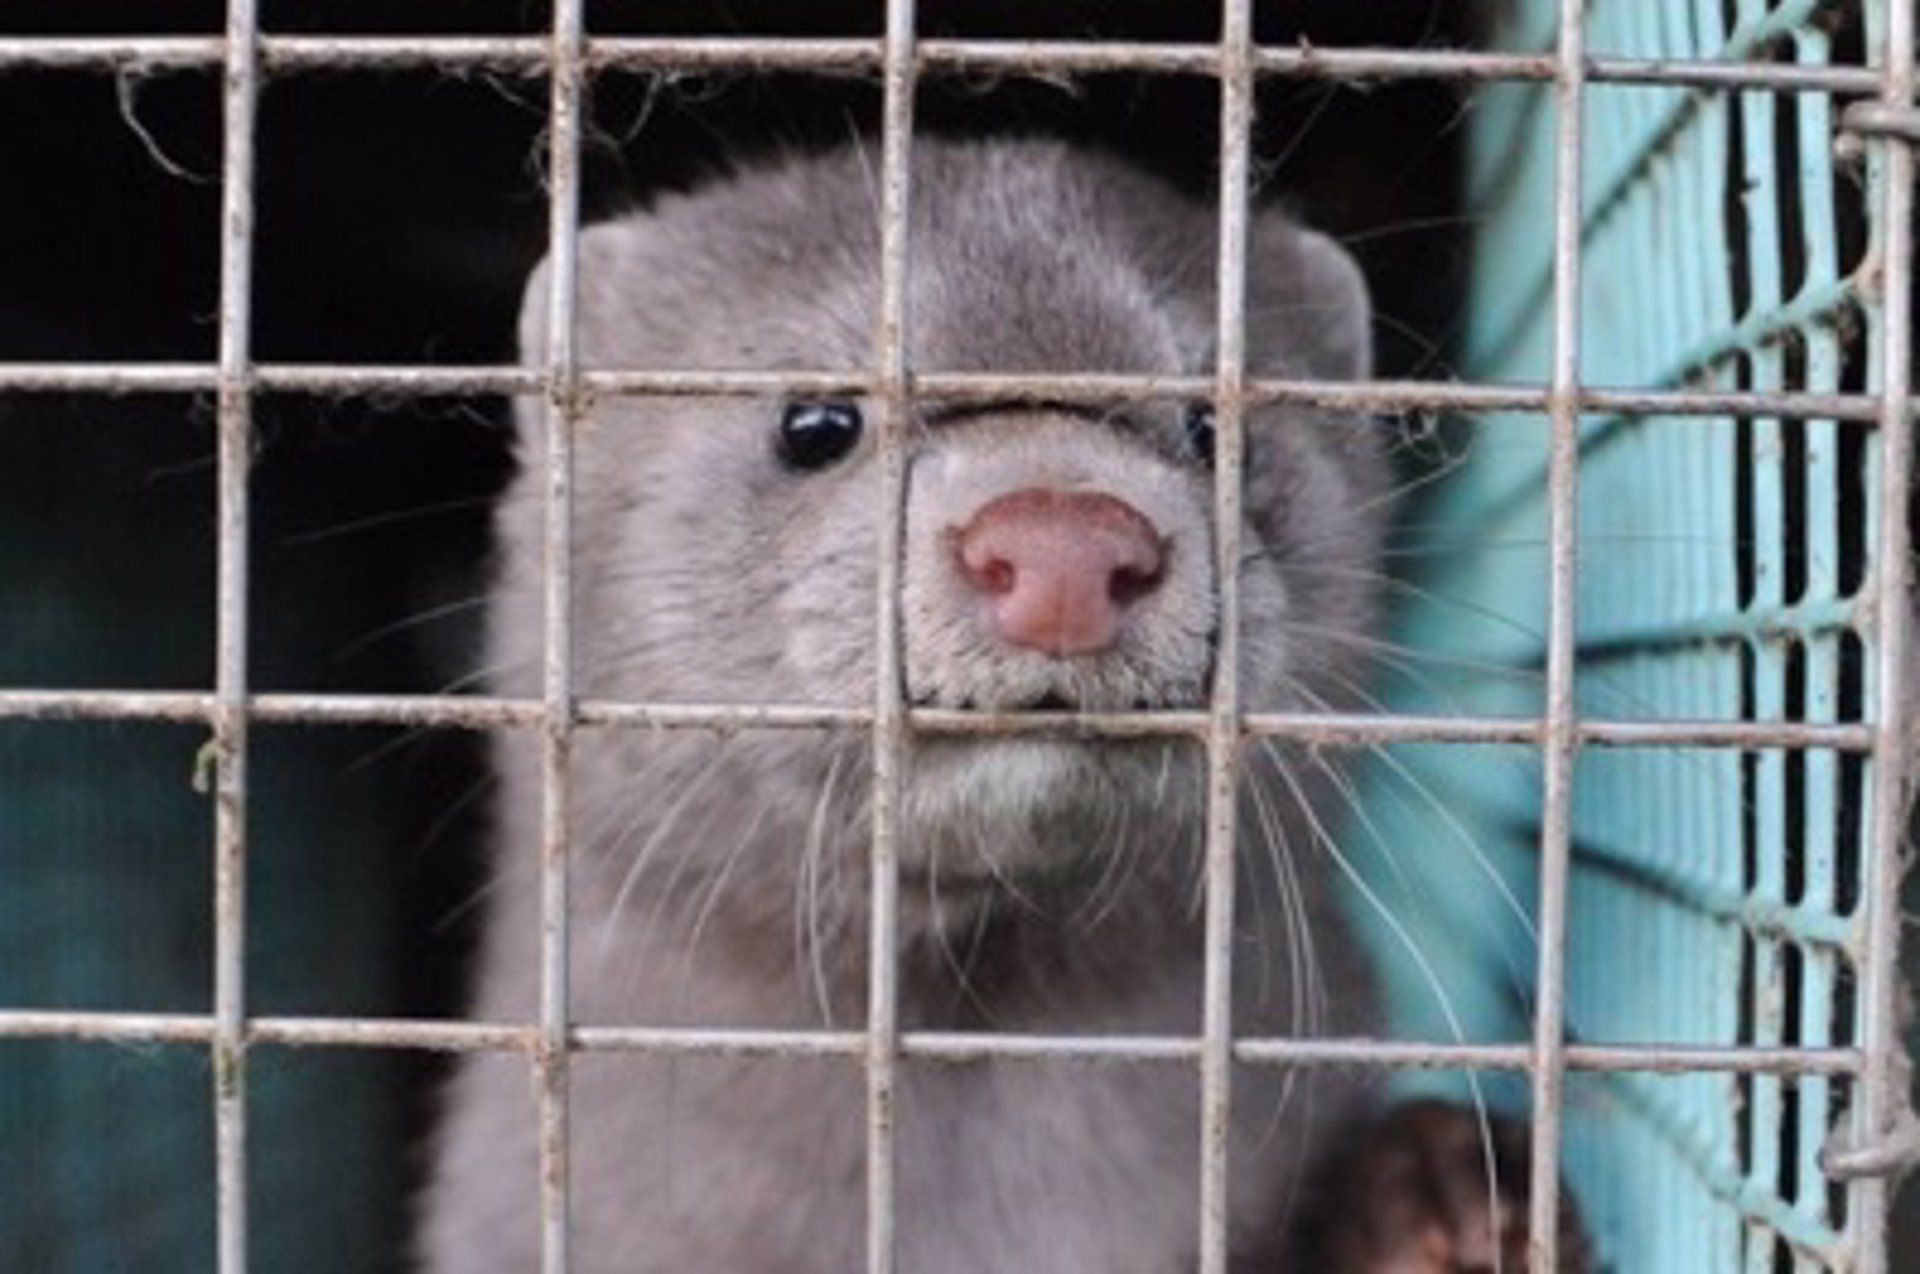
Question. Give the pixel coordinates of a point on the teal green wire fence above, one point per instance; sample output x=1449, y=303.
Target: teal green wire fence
x=1715, y=892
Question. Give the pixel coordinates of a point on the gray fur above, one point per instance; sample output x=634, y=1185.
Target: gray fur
x=1047, y=886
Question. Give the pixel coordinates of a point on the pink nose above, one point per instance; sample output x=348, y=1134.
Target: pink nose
x=1057, y=568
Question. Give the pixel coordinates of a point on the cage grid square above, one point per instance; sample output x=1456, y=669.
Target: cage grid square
x=1765, y=685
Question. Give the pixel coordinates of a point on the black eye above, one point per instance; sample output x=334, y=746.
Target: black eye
x=1199, y=422
x=814, y=435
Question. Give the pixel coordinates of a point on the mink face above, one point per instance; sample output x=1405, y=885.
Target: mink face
x=726, y=547
x=1055, y=556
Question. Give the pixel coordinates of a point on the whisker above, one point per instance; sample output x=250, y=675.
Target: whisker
x=637, y=865
x=1400, y=657
x=1404, y=938
x=391, y=517
x=962, y=970
x=1436, y=806
x=1307, y=997
x=807, y=898
x=406, y=623
x=1411, y=226
x=715, y=888
x=1114, y=854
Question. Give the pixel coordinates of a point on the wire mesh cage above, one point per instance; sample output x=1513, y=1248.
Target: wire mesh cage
x=1667, y=584
x=1715, y=896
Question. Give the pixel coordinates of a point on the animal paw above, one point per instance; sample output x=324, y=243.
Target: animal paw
x=1413, y=1197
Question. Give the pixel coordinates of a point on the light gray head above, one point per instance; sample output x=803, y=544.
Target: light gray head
x=1056, y=555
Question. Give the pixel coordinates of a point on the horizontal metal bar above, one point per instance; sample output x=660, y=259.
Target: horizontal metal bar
x=395, y=710
x=525, y=54
x=111, y=52
x=1838, y=737
x=765, y=716
x=1661, y=1059
x=947, y=1047
x=1731, y=74
x=1324, y=728
x=1353, y=729
x=108, y=378
x=90, y=1026
x=302, y=709
x=719, y=1042
x=1684, y=1059
x=106, y=705
x=425, y=1035
x=1458, y=64
x=960, y=1047
x=1378, y=396
x=1722, y=403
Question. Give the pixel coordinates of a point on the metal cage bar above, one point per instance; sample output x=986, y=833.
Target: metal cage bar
x=1337, y=729
x=1223, y=725
x=934, y=1046
x=892, y=332
x=286, y=54
x=1882, y=1100
x=566, y=411
x=1548, y=1063
x=1096, y=388
x=228, y=748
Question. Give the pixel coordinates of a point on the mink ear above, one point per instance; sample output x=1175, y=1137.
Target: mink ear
x=604, y=264
x=1307, y=309
x=1308, y=317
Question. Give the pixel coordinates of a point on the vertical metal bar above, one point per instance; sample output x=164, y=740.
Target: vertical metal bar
x=1762, y=198
x=889, y=707
x=565, y=408
x=1882, y=1097
x=1223, y=730
x=241, y=99
x=1766, y=1104
x=1824, y=805
x=1563, y=511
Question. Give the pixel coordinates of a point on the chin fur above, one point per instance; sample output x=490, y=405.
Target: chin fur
x=1044, y=812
